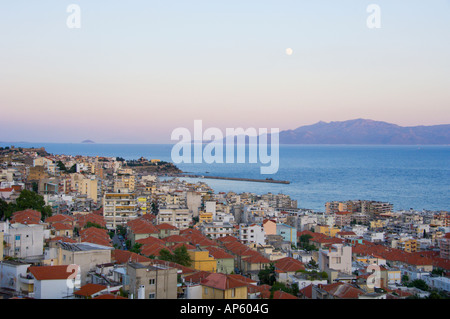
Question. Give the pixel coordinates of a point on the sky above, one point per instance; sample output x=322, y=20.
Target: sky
x=136, y=70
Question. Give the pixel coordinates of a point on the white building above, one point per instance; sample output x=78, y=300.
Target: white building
x=181, y=218
x=441, y=283
x=13, y=275
x=374, y=236
x=24, y=241
x=337, y=257
x=252, y=234
x=55, y=282
x=216, y=230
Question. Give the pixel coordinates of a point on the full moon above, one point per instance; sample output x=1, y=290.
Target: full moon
x=289, y=51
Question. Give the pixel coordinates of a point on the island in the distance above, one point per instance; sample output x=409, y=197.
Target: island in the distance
x=88, y=142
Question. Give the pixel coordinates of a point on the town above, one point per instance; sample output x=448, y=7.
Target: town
x=92, y=227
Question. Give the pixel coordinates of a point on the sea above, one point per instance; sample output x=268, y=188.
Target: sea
x=410, y=177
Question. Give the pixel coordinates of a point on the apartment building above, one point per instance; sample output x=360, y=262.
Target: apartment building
x=408, y=245
x=124, y=183
x=342, y=219
x=359, y=206
x=252, y=234
x=444, y=245
x=217, y=230
x=24, y=240
x=338, y=257
x=152, y=281
x=181, y=218
x=119, y=208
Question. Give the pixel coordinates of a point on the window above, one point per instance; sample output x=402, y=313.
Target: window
x=152, y=281
x=206, y=291
x=17, y=237
x=151, y=296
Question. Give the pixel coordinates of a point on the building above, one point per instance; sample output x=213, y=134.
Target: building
x=152, y=281
x=288, y=233
x=89, y=187
x=202, y=260
x=119, y=208
x=252, y=234
x=225, y=261
x=328, y=230
x=14, y=277
x=444, y=246
x=55, y=282
x=337, y=257
x=181, y=218
x=24, y=240
x=222, y=286
x=1, y=246
x=342, y=219
x=359, y=206
x=85, y=255
x=408, y=245
x=217, y=230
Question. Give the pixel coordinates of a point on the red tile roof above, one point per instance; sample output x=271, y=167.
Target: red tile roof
x=60, y=218
x=197, y=277
x=343, y=290
x=218, y=253
x=63, y=239
x=27, y=216
x=89, y=290
x=109, y=296
x=289, y=264
x=278, y=294
x=123, y=256
x=175, y=239
x=222, y=282
x=306, y=292
x=61, y=226
x=150, y=240
x=153, y=249
x=51, y=272
x=166, y=226
x=256, y=259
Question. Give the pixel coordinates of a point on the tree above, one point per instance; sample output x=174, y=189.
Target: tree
x=4, y=206
x=136, y=248
x=73, y=169
x=91, y=224
x=419, y=284
x=30, y=200
x=61, y=166
x=179, y=256
x=405, y=278
x=267, y=276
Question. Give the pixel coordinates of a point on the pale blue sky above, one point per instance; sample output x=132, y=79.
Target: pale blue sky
x=136, y=70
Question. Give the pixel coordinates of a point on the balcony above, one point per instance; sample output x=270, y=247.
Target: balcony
x=26, y=279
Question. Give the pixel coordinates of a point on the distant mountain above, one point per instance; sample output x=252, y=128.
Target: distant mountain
x=362, y=131
x=88, y=142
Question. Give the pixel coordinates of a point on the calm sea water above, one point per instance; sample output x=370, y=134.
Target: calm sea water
x=407, y=176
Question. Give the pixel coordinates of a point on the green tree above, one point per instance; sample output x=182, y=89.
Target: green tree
x=4, y=206
x=267, y=276
x=61, y=166
x=179, y=256
x=30, y=200
x=73, y=169
x=405, y=279
x=419, y=284
x=121, y=230
x=434, y=295
x=91, y=224
x=136, y=248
